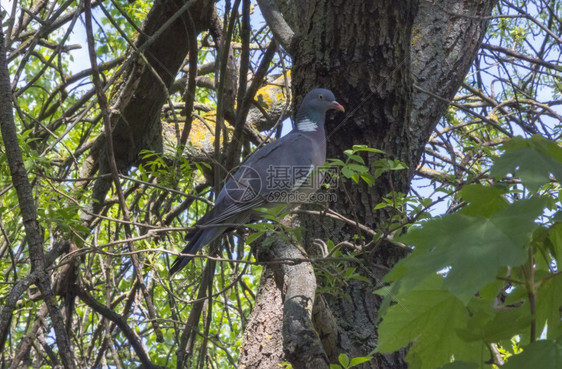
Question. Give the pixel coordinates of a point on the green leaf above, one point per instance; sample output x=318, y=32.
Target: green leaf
x=540, y=354
x=336, y=162
x=358, y=148
x=252, y=237
x=430, y=318
x=358, y=168
x=347, y=172
x=483, y=200
x=357, y=158
x=344, y=360
x=533, y=160
x=474, y=247
x=555, y=237
x=490, y=325
x=548, y=303
x=381, y=205
x=359, y=360
x=368, y=178
x=387, y=292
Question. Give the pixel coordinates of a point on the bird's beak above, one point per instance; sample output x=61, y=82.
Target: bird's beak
x=336, y=105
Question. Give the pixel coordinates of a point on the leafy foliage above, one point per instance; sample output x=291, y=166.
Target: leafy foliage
x=485, y=274
x=354, y=167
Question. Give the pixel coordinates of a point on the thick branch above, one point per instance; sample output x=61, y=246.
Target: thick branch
x=242, y=112
x=9, y=306
x=443, y=49
x=276, y=22
x=301, y=343
x=149, y=71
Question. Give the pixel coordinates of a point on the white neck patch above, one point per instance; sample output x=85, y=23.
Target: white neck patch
x=307, y=125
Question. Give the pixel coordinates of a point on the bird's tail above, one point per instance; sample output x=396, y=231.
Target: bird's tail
x=197, y=240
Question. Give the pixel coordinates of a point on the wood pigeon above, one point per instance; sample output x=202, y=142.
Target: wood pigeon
x=280, y=172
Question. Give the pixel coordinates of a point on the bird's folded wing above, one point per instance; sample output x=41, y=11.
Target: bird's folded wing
x=226, y=214
x=260, y=176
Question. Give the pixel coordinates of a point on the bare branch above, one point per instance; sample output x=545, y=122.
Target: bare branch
x=518, y=55
x=29, y=215
x=132, y=337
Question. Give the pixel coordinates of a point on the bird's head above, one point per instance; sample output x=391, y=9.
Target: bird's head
x=315, y=105
x=321, y=100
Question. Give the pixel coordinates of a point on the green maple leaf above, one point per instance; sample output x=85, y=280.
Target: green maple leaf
x=533, y=160
x=469, y=248
x=489, y=324
x=429, y=318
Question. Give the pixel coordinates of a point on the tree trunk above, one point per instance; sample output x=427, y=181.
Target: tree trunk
x=371, y=54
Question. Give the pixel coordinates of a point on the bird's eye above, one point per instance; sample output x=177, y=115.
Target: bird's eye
x=321, y=97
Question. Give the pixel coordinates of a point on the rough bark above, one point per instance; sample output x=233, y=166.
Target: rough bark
x=281, y=327
x=262, y=346
x=301, y=344
x=445, y=40
x=371, y=54
x=362, y=53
